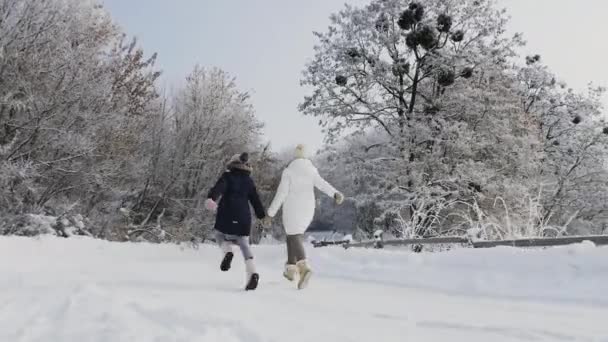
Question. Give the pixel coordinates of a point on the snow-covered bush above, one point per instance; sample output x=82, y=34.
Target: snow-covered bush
x=41, y=224
x=28, y=225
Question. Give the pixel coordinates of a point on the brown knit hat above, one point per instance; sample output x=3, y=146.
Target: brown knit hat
x=240, y=161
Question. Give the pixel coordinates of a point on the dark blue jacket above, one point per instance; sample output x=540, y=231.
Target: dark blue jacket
x=236, y=190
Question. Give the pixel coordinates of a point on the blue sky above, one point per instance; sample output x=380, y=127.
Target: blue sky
x=266, y=43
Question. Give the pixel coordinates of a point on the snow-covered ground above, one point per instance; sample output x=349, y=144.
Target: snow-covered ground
x=80, y=289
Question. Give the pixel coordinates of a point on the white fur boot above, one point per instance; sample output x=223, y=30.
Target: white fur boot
x=305, y=273
x=290, y=272
x=226, y=247
x=252, y=275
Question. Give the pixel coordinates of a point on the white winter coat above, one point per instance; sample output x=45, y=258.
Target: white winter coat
x=296, y=195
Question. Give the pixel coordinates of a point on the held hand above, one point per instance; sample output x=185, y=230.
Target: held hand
x=266, y=222
x=339, y=198
x=211, y=205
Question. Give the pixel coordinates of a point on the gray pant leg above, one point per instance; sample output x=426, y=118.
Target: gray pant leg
x=295, y=249
x=243, y=243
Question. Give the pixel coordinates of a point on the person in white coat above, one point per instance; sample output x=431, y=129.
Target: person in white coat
x=297, y=198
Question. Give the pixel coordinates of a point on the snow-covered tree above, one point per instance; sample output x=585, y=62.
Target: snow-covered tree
x=205, y=122
x=572, y=129
x=442, y=118
x=85, y=137
x=430, y=78
x=64, y=114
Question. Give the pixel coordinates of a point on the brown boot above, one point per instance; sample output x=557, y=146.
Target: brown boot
x=305, y=273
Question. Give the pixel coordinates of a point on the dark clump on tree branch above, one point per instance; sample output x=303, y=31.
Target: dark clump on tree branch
x=371, y=61
x=424, y=36
x=532, y=59
x=341, y=80
x=406, y=20
x=605, y=130
x=446, y=78
x=418, y=10
x=411, y=40
x=475, y=186
x=577, y=119
x=353, y=53
x=411, y=16
x=444, y=23
x=467, y=72
x=458, y=36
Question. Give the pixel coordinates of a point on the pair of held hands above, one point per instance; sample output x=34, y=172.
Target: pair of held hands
x=211, y=205
x=267, y=221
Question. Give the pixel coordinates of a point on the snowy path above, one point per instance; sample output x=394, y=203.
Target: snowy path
x=85, y=290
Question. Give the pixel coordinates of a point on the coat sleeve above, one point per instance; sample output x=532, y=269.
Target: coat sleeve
x=280, y=196
x=323, y=185
x=254, y=198
x=218, y=189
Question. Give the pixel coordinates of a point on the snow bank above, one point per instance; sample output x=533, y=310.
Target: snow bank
x=80, y=289
x=568, y=274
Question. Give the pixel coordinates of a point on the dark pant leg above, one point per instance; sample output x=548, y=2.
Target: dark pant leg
x=295, y=249
x=291, y=258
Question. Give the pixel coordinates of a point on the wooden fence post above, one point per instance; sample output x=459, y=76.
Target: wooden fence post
x=379, y=239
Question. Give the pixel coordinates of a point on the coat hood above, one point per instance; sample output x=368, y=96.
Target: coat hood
x=240, y=162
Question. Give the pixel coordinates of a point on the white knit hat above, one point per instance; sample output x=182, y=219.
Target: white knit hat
x=301, y=152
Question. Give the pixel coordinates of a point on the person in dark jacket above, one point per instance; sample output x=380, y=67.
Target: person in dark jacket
x=235, y=191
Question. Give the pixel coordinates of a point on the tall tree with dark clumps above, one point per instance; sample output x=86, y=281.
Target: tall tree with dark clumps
x=423, y=74
x=435, y=88
x=384, y=63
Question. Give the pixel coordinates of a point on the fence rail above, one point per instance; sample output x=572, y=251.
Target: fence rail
x=318, y=244
x=599, y=240
x=543, y=242
x=406, y=242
